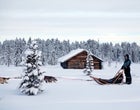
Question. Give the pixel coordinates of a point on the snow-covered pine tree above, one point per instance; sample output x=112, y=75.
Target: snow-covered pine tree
x=89, y=64
x=33, y=80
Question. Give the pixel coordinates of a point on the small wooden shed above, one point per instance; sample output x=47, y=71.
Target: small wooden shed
x=76, y=59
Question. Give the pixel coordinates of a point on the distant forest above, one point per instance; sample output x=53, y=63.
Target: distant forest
x=12, y=51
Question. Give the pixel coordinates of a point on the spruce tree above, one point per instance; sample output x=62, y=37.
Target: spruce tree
x=89, y=64
x=33, y=79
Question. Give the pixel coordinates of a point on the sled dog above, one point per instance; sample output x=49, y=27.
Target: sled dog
x=50, y=79
x=3, y=80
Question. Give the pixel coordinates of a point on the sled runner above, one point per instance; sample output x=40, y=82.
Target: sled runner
x=117, y=79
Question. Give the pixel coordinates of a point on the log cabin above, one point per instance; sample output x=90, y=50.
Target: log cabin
x=76, y=59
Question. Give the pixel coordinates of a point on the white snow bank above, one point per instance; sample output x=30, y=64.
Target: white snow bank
x=69, y=94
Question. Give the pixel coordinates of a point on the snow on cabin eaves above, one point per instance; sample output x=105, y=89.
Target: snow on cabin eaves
x=70, y=55
x=74, y=53
x=97, y=57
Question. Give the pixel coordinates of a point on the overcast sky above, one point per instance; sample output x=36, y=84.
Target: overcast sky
x=103, y=20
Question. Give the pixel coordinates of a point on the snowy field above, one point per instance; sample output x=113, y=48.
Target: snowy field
x=71, y=94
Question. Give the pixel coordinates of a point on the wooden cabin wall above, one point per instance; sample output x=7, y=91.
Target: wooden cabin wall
x=79, y=62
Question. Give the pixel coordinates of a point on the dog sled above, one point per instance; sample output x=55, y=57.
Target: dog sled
x=117, y=79
x=47, y=79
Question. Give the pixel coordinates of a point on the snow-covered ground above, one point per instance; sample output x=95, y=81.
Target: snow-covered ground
x=71, y=94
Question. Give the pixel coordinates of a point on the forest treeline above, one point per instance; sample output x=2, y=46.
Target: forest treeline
x=12, y=51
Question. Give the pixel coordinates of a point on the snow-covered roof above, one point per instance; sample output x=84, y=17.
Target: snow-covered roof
x=96, y=57
x=72, y=54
